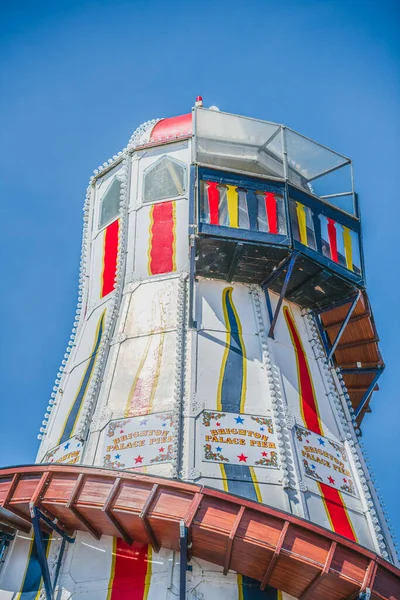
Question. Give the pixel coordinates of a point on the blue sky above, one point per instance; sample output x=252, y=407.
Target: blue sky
x=76, y=78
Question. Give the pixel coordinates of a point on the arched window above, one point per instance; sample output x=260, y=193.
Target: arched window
x=109, y=208
x=165, y=179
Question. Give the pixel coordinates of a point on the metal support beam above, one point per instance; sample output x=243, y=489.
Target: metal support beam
x=368, y=393
x=322, y=333
x=269, y=307
x=360, y=371
x=37, y=515
x=283, y=290
x=53, y=525
x=336, y=304
x=183, y=560
x=275, y=274
x=235, y=259
x=344, y=325
x=41, y=552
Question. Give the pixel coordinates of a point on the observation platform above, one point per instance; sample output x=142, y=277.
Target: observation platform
x=271, y=546
x=265, y=194
x=279, y=210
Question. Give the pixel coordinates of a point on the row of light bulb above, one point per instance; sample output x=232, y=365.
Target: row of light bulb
x=274, y=390
x=82, y=272
x=179, y=371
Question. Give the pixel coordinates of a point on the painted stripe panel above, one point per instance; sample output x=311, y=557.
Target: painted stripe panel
x=252, y=208
x=308, y=405
x=333, y=501
x=302, y=221
x=333, y=240
x=233, y=205
x=232, y=396
x=74, y=411
x=130, y=571
x=110, y=255
x=232, y=384
x=32, y=582
x=213, y=201
x=270, y=209
x=337, y=514
x=348, y=247
x=162, y=238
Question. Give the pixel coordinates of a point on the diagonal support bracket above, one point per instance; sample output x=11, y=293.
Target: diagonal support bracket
x=287, y=264
x=368, y=392
x=37, y=516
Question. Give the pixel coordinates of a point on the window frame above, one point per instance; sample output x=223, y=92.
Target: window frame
x=151, y=167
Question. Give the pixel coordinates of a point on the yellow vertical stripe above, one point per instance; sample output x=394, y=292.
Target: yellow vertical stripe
x=224, y=479
x=148, y=573
x=233, y=205
x=240, y=587
x=348, y=248
x=151, y=217
x=255, y=483
x=174, y=236
x=112, y=572
x=302, y=221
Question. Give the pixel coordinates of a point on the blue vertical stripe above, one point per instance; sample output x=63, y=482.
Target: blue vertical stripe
x=233, y=391
x=80, y=396
x=33, y=575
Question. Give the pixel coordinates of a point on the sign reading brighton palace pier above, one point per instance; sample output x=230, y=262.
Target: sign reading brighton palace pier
x=238, y=439
x=324, y=460
x=67, y=453
x=138, y=441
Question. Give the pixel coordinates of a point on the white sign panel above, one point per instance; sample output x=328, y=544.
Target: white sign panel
x=324, y=460
x=138, y=441
x=238, y=439
x=67, y=453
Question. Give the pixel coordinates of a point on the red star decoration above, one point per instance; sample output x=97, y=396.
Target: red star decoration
x=264, y=453
x=138, y=459
x=161, y=449
x=331, y=480
x=218, y=424
x=242, y=457
x=121, y=431
x=345, y=480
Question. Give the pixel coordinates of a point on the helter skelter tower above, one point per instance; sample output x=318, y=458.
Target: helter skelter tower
x=202, y=438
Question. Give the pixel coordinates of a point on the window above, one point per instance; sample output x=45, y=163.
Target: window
x=165, y=179
x=110, y=202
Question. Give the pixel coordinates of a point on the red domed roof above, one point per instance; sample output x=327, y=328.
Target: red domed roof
x=170, y=129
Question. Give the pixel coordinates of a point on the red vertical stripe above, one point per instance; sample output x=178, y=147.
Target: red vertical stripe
x=308, y=403
x=213, y=201
x=333, y=240
x=339, y=518
x=110, y=255
x=270, y=207
x=130, y=572
x=162, y=238
x=335, y=507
